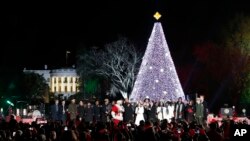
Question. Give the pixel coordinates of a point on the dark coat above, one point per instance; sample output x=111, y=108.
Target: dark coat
x=97, y=112
x=72, y=111
x=128, y=115
x=105, y=112
x=205, y=112
x=152, y=114
x=61, y=114
x=54, y=111
x=88, y=114
x=80, y=110
x=179, y=112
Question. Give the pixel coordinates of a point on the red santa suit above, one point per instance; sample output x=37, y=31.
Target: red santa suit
x=116, y=112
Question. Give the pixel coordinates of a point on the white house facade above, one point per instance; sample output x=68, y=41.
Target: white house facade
x=63, y=81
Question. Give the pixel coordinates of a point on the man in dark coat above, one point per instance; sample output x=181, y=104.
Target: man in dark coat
x=62, y=112
x=204, y=103
x=199, y=114
x=205, y=110
x=72, y=109
x=152, y=114
x=97, y=111
x=80, y=110
x=88, y=113
x=179, y=110
x=128, y=115
x=105, y=111
x=54, y=111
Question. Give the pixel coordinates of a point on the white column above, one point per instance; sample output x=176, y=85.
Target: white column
x=57, y=84
x=74, y=84
x=52, y=84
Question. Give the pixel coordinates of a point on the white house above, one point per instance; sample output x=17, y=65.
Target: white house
x=63, y=81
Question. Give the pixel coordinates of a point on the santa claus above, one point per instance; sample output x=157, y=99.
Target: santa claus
x=116, y=112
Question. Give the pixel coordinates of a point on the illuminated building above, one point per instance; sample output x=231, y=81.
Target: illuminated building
x=63, y=81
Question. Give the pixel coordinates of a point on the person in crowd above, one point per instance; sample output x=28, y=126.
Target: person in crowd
x=54, y=111
x=189, y=111
x=205, y=110
x=170, y=107
x=88, y=113
x=179, y=110
x=139, y=112
x=152, y=114
x=149, y=132
x=80, y=110
x=161, y=111
x=72, y=109
x=117, y=112
x=147, y=107
x=212, y=134
x=62, y=112
x=199, y=114
x=128, y=115
x=97, y=111
x=105, y=111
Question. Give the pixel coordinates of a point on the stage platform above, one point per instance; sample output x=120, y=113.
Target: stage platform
x=27, y=120
x=211, y=118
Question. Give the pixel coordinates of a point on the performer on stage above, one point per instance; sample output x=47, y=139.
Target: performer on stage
x=179, y=110
x=139, y=110
x=199, y=114
x=116, y=112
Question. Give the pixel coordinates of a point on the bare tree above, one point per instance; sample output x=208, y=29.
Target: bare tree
x=118, y=62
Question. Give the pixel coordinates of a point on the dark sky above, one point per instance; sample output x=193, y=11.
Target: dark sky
x=35, y=35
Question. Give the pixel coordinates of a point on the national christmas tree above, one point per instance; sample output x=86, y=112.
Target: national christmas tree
x=157, y=77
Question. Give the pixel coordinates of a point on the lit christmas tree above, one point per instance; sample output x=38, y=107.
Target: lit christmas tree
x=157, y=77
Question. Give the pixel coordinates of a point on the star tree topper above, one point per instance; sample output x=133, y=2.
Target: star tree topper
x=157, y=15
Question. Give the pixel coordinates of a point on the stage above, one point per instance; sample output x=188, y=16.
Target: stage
x=211, y=118
x=27, y=120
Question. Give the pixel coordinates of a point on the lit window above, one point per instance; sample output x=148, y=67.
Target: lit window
x=65, y=80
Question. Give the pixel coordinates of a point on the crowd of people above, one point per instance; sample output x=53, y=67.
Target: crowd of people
x=123, y=121
x=131, y=112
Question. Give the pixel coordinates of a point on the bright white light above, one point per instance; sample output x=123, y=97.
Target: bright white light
x=157, y=81
x=151, y=67
x=162, y=70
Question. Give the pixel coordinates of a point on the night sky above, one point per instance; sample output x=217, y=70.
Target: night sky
x=42, y=34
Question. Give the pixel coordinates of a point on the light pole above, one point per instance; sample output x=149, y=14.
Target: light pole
x=67, y=52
